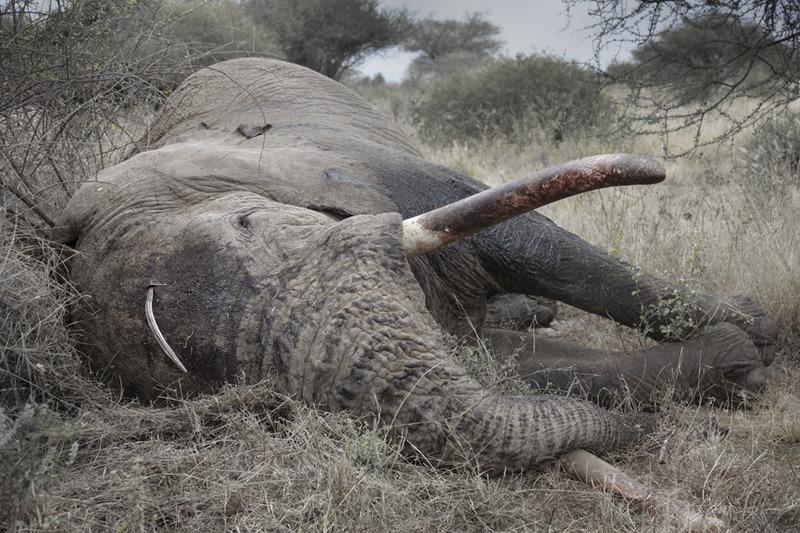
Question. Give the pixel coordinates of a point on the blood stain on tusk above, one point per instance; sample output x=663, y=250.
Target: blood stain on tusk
x=151, y=321
x=432, y=230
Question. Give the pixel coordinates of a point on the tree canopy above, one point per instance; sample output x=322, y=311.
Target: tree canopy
x=330, y=36
x=437, y=38
x=694, y=58
x=701, y=59
x=451, y=46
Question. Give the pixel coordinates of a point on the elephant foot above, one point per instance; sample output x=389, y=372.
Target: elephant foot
x=518, y=312
x=760, y=326
x=720, y=365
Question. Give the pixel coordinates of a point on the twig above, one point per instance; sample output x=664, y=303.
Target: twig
x=30, y=203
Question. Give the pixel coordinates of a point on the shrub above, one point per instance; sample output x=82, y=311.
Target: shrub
x=512, y=96
x=78, y=80
x=424, y=72
x=773, y=154
x=215, y=31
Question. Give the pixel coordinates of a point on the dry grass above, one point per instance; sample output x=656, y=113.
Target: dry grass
x=75, y=456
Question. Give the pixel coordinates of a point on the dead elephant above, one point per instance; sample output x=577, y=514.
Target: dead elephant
x=264, y=225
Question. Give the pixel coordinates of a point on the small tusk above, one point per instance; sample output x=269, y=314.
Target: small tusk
x=151, y=321
x=595, y=472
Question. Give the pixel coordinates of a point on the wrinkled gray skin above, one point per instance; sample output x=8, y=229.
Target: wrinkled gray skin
x=276, y=251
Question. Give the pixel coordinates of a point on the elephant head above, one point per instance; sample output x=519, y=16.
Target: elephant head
x=264, y=229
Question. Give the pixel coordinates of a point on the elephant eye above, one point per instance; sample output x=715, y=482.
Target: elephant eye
x=243, y=219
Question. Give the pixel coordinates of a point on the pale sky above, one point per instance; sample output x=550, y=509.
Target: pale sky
x=526, y=26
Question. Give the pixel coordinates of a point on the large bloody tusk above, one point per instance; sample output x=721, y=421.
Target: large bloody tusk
x=432, y=230
x=595, y=472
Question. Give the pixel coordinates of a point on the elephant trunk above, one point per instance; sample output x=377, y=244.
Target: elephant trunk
x=466, y=423
x=337, y=346
x=432, y=230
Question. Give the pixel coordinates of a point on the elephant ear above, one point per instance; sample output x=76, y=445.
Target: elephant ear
x=291, y=172
x=335, y=191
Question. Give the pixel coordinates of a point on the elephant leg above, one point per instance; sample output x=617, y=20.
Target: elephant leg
x=719, y=364
x=532, y=255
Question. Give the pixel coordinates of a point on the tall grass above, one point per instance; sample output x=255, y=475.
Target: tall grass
x=77, y=457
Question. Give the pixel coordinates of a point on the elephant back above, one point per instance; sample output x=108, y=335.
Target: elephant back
x=259, y=94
